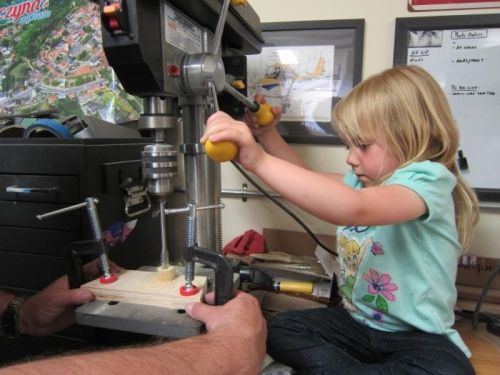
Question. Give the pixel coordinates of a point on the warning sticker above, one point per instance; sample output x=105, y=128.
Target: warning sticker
x=181, y=32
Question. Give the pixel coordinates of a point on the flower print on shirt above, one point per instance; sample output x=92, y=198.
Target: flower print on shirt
x=377, y=249
x=380, y=290
x=378, y=316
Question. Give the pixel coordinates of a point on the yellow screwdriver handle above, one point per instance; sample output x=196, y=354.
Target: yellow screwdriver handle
x=264, y=114
x=288, y=286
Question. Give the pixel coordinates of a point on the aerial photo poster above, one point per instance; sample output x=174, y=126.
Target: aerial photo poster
x=51, y=57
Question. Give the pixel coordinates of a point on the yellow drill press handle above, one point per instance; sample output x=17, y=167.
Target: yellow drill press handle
x=221, y=151
x=226, y=151
x=264, y=114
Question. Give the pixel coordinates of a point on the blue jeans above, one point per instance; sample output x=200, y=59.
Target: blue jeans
x=330, y=341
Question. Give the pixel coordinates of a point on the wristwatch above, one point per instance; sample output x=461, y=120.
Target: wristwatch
x=10, y=319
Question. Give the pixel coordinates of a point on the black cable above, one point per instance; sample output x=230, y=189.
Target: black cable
x=284, y=208
x=480, y=302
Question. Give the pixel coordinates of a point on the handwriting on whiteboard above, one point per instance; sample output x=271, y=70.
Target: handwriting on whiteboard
x=465, y=63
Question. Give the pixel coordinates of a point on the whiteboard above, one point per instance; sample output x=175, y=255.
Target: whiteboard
x=464, y=57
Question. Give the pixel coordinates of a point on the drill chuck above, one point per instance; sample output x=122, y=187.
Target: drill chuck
x=159, y=167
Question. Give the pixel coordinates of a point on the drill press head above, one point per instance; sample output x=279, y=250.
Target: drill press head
x=142, y=37
x=164, y=52
x=157, y=48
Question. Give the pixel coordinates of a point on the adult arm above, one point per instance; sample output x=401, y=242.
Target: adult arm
x=234, y=344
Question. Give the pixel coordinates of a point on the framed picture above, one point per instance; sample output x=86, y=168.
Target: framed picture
x=452, y=4
x=306, y=68
x=51, y=60
x=463, y=54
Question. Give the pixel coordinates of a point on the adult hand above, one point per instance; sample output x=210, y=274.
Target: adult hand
x=251, y=121
x=53, y=308
x=235, y=344
x=239, y=322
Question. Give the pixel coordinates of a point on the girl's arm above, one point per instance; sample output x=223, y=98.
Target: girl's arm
x=335, y=202
x=272, y=141
x=324, y=197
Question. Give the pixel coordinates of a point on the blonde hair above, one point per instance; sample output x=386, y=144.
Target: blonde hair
x=406, y=109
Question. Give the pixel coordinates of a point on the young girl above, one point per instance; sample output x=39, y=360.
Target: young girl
x=404, y=215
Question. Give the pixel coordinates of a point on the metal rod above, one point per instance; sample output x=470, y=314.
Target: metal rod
x=220, y=27
x=247, y=193
x=212, y=96
x=165, y=263
x=242, y=98
x=214, y=106
x=187, y=209
x=231, y=193
x=63, y=210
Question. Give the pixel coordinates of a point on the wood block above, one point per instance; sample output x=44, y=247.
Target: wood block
x=146, y=288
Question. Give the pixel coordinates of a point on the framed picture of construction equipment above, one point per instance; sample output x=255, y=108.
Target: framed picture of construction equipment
x=306, y=68
x=463, y=54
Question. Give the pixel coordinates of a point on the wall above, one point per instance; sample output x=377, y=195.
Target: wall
x=380, y=15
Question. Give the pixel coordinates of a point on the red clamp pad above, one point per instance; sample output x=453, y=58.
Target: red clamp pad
x=186, y=293
x=108, y=280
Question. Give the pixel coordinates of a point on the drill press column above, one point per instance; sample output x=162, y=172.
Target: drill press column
x=200, y=172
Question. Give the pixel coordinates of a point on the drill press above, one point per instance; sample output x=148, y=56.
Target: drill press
x=170, y=53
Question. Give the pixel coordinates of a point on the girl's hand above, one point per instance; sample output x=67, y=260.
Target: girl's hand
x=222, y=127
x=251, y=121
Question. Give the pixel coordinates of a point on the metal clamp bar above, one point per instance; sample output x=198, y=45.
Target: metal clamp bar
x=65, y=209
x=246, y=193
x=29, y=190
x=186, y=209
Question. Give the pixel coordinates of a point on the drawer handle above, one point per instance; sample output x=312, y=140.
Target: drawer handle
x=26, y=190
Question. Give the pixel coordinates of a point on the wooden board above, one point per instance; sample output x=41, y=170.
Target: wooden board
x=146, y=288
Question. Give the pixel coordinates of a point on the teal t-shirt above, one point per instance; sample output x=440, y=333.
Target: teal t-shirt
x=402, y=277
